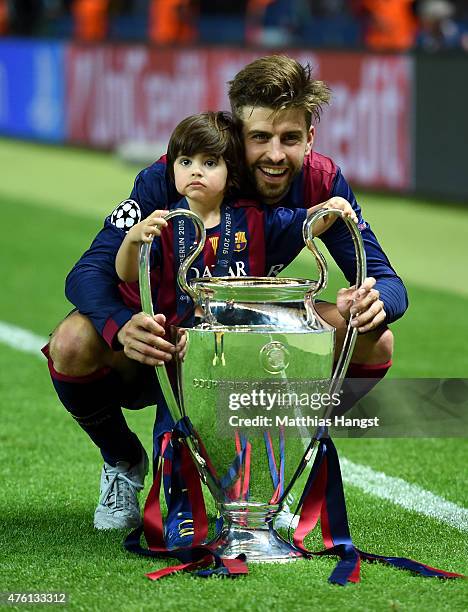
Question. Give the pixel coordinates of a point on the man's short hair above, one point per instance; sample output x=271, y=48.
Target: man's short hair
x=211, y=133
x=278, y=82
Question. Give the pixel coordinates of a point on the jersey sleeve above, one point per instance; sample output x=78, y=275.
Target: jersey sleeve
x=152, y=189
x=339, y=243
x=92, y=284
x=283, y=235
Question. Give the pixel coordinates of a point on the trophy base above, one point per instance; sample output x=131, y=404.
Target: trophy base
x=259, y=545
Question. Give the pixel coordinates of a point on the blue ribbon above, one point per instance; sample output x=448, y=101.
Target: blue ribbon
x=233, y=471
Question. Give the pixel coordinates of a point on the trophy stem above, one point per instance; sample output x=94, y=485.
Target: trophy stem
x=248, y=529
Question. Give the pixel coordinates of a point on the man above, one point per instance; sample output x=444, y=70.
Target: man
x=276, y=99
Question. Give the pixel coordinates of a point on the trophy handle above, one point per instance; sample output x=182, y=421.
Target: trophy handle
x=147, y=301
x=361, y=271
x=294, y=491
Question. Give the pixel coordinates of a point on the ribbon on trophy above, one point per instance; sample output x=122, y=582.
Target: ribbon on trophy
x=277, y=473
x=236, y=480
x=323, y=499
x=197, y=556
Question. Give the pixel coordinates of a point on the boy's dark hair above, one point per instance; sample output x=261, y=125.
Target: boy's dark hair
x=278, y=82
x=213, y=133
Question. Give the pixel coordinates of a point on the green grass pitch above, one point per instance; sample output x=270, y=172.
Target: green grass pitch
x=52, y=202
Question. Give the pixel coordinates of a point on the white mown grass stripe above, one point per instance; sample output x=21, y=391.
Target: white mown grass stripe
x=395, y=490
x=21, y=339
x=404, y=494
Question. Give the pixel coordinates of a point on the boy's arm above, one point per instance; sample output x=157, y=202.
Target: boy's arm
x=126, y=260
x=324, y=223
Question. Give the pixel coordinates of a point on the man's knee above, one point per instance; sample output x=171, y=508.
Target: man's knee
x=384, y=347
x=375, y=347
x=76, y=349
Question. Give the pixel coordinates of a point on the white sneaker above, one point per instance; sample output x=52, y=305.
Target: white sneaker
x=118, y=506
x=286, y=519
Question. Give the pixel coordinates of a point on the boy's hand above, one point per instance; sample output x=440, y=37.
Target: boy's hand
x=326, y=222
x=150, y=227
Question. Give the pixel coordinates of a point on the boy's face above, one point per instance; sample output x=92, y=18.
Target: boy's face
x=200, y=177
x=275, y=146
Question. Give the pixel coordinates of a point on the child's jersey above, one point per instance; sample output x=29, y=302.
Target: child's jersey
x=262, y=241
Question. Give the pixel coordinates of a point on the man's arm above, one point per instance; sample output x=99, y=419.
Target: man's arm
x=92, y=285
x=142, y=339
x=388, y=293
x=284, y=229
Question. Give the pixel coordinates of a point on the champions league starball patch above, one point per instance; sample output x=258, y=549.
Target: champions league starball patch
x=126, y=215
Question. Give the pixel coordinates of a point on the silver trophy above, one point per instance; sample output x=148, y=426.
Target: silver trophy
x=254, y=333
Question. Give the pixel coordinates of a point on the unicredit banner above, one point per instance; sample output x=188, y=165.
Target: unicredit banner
x=105, y=95
x=367, y=127
x=117, y=94
x=134, y=93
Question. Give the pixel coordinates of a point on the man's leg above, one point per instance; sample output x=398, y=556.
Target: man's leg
x=372, y=348
x=89, y=379
x=371, y=358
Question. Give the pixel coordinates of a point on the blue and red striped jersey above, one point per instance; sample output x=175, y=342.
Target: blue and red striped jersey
x=266, y=240
x=93, y=286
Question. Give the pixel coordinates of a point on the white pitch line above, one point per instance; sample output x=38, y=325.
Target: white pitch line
x=395, y=490
x=21, y=339
x=404, y=494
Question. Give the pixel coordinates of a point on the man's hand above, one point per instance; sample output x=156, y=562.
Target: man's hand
x=363, y=304
x=337, y=202
x=142, y=339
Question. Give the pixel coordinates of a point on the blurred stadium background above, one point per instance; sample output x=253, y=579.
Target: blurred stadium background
x=89, y=92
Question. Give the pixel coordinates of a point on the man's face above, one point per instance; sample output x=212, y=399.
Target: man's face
x=275, y=145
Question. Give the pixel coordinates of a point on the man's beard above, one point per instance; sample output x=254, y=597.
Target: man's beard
x=268, y=191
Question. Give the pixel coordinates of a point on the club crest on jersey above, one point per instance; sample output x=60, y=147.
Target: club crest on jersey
x=240, y=242
x=126, y=215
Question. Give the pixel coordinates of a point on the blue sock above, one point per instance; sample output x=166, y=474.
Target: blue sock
x=94, y=402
